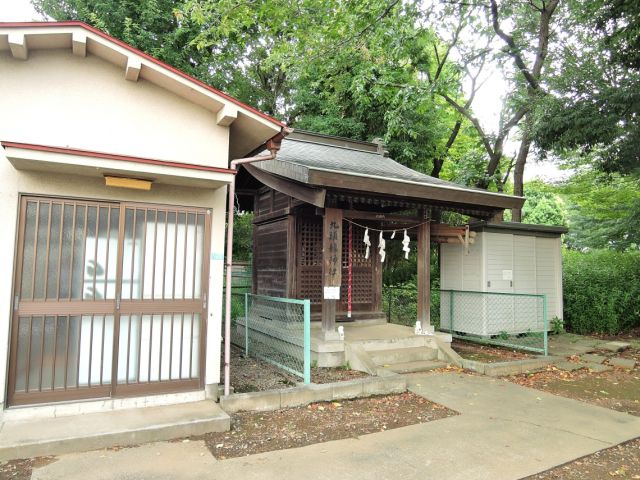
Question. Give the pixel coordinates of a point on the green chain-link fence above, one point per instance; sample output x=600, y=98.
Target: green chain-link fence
x=514, y=320
x=276, y=330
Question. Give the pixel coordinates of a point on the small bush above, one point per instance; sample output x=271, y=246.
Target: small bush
x=601, y=291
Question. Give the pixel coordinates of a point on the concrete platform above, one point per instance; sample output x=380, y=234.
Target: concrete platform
x=58, y=435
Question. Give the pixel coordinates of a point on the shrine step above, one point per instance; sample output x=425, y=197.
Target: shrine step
x=403, y=355
x=412, y=367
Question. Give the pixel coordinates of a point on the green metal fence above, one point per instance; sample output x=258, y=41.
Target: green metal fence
x=276, y=330
x=514, y=320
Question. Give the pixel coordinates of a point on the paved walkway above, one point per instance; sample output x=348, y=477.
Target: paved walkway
x=504, y=431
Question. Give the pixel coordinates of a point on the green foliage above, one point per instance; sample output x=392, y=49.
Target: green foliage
x=603, y=211
x=544, y=206
x=601, y=291
x=243, y=237
x=557, y=326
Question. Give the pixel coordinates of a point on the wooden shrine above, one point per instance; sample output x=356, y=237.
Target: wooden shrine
x=312, y=206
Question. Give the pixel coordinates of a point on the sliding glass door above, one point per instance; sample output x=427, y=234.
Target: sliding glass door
x=109, y=300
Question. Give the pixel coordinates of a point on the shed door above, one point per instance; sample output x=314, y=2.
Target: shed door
x=499, y=262
x=108, y=300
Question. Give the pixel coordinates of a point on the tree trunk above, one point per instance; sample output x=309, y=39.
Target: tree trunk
x=518, y=173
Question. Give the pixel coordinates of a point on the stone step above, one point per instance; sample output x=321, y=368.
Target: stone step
x=413, y=367
x=403, y=355
x=78, y=433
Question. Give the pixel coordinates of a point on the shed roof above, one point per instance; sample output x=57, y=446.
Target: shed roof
x=339, y=164
x=520, y=228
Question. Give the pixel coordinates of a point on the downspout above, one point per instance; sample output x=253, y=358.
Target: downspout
x=273, y=145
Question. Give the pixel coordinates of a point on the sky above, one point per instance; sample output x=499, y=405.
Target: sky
x=486, y=105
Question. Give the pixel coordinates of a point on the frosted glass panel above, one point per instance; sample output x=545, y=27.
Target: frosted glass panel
x=163, y=254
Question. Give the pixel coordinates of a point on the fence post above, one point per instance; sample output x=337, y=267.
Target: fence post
x=546, y=324
x=389, y=299
x=307, y=342
x=246, y=324
x=451, y=311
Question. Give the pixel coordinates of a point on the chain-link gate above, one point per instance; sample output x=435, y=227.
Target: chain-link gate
x=278, y=331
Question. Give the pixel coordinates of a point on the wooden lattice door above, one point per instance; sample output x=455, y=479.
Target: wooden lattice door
x=309, y=266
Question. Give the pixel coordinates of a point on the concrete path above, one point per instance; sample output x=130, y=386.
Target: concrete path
x=504, y=431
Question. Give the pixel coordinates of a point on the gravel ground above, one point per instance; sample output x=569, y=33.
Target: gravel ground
x=253, y=375
x=256, y=432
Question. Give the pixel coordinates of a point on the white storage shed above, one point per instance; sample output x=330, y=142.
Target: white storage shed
x=492, y=284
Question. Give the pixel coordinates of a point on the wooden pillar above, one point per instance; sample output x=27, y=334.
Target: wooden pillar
x=331, y=269
x=424, y=274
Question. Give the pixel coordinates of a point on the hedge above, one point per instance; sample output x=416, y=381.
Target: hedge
x=601, y=291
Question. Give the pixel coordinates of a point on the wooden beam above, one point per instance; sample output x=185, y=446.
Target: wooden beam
x=444, y=230
x=424, y=275
x=331, y=269
x=460, y=197
x=314, y=196
x=362, y=215
x=79, y=44
x=134, y=65
x=226, y=115
x=18, y=46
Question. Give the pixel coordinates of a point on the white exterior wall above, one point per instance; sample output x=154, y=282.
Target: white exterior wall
x=57, y=99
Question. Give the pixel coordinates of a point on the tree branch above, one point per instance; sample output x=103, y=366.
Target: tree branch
x=513, y=50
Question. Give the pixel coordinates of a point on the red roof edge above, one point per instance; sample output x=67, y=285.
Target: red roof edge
x=111, y=156
x=76, y=23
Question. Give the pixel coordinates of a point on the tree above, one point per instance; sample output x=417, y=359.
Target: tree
x=527, y=47
x=544, y=206
x=603, y=211
x=594, y=103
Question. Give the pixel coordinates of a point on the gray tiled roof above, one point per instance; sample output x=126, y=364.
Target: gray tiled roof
x=296, y=157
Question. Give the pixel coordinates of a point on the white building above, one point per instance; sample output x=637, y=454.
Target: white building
x=113, y=174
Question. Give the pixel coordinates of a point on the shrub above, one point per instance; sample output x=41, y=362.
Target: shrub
x=601, y=291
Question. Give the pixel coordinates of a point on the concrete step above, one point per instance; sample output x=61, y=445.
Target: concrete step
x=412, y=367
x=392, y=343
x=403, y=355
x=58, y=435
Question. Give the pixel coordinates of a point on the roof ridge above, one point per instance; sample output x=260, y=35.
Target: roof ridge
x=289, y=139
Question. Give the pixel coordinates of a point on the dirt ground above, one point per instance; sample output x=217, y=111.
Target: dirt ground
x=486, y=353
x=21, y=469
x=256, y=432
x=621, y=461
x=253, y=375
x=617, y=389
